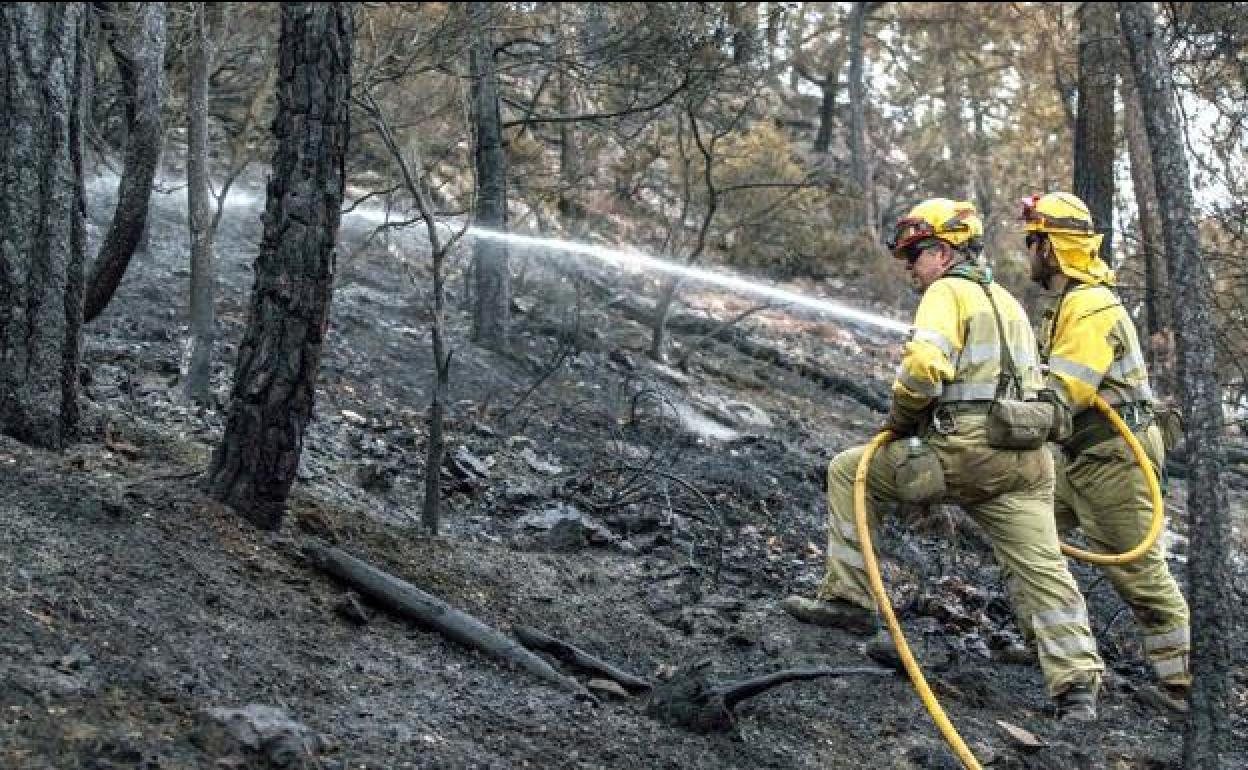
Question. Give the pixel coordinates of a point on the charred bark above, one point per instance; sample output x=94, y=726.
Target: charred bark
x=43, y=219
x=1207, y=741
x=1094, y=118
x=253, y=468
x=492, y=307
x=136, y=36
x=431, y=512
x=827, y=112
x=1150, y=249
x=688, y=699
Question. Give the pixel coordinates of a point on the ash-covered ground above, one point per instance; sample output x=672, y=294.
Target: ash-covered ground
x=654, y=516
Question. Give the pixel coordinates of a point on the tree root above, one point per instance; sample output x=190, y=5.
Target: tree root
x=690, y=700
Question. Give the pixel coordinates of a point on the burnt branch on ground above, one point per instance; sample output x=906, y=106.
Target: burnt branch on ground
x=403, y=598
x=691, y=700
x=575, y=656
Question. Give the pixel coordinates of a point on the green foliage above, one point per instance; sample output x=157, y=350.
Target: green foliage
x=774, y=216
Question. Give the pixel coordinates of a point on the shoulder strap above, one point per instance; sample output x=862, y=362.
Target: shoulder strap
x=1009, y=373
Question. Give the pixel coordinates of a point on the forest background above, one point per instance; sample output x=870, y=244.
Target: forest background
x=777, y=138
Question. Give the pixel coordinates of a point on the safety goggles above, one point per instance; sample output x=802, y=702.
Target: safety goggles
x=1032, y=215
x=910, y=231
x=906, y=234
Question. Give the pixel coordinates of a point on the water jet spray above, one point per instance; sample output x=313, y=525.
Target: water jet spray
x=638, y=261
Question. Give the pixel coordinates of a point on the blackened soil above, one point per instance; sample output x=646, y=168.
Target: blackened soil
x=131, y=605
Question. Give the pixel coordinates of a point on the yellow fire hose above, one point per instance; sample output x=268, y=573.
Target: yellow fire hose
x=882, y=601
x=890, y=618
x=1159, y=514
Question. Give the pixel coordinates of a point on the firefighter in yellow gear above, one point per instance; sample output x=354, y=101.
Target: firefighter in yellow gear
x=1091, y=348
x=949, y=375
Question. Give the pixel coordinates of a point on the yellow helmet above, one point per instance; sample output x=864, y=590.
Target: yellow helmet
x=955, y=222
x=1068, y=224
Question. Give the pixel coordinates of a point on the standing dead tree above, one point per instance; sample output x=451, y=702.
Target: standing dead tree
x=667, y=296
x=1149, y=245
x=389, y=58
x=706, y=122
x=439, y=249
x=203, y=269
x=829, y=55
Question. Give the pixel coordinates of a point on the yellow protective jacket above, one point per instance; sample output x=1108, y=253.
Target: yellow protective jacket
x=954, y=353
x=1090, y=345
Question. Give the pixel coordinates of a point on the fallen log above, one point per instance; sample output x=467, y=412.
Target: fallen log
x=403, y=598
x=574, y=656
x=690, y=700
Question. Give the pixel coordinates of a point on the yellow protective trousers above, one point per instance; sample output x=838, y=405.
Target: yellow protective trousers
x=1103, y=492
x=1009, y=494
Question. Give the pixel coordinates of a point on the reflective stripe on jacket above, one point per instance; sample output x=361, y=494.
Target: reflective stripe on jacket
x=1091, y=347
x=954, y=353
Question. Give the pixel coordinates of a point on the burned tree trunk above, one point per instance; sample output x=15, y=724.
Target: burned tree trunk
x=827, y=112
x=490, y=318
x=1158, y=341
x=43, y=218
x=1094, y=118
x=275, y=379
x=829, y=89
x=136, y=36
x=570, y=208
x=864, y=218
x=1207, y=742
x=203, y=270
